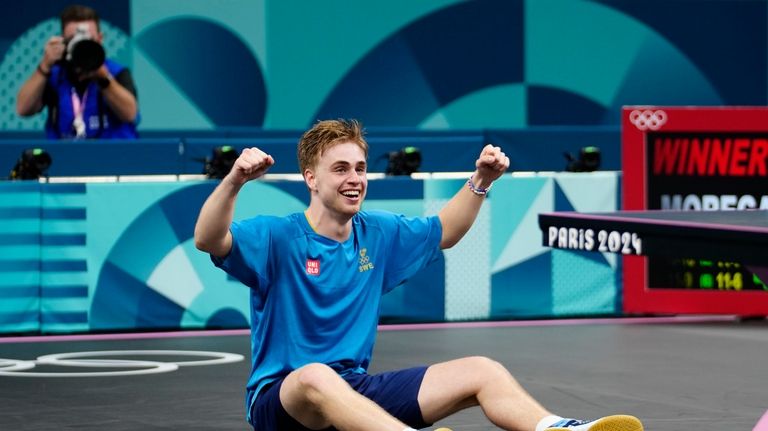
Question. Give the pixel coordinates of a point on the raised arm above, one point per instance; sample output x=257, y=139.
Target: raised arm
x=460, y=212
x=29, y=100
x=212, y=233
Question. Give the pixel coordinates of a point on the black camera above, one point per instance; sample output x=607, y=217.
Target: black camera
x=33, y=163
x=82, y=53
x=588, y=161
x=220, y=162
x=403, y=162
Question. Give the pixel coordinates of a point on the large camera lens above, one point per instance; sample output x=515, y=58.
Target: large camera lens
x=86, y=55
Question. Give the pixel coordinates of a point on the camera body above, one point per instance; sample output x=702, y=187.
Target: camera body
x=33, y=163
x=403, y=162
x=82, y=52
x=220, y=162
x=588, y=161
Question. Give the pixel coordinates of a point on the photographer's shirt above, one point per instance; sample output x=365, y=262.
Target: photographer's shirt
x=65, y=96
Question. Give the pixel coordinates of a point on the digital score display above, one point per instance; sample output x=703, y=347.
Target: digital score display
x=696, y=171
x=702, y=274
x=694, y=159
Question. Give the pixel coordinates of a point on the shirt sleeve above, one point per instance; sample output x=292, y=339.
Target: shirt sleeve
x=126, y=80
x=416, y=244
x=248, y=260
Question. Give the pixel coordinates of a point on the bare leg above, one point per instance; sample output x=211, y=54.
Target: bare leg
x=317, y=397
x=455, y=385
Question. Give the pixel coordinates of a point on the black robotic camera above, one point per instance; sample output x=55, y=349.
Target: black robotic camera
x=220, y=162
x=404, y=162
x=588, y=161
x=33, y=164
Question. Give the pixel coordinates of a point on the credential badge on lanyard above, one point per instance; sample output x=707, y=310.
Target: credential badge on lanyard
x=78, y=107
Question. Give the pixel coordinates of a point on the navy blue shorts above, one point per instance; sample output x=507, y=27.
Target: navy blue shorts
x=395, y=391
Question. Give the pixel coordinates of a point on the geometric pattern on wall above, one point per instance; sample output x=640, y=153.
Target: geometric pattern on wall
x=211, y=66
x=582, y=283
x=584, y=60
x=123, y=294
x=172, y=284
x=20, y=249
x=570, y=73
x=431, y=62
x=446, y=65
x=43, y=257
x=132, y=263
x=736, y=75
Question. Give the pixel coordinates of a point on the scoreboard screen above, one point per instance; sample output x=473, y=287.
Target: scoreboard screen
x=702, y=274
x=694, y=159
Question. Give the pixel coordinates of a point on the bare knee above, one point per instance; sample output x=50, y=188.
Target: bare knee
x=315, y=380
x=488, y=369
x=305, y=393
x=484, y=363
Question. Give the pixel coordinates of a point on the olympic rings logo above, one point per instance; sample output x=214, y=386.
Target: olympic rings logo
x=18, y=368
x=647, y=119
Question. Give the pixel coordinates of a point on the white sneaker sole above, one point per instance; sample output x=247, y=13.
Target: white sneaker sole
x=610, y=423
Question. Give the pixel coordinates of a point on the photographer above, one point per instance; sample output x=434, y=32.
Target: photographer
x=87, y=95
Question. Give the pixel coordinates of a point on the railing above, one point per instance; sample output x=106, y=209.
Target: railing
x=183, y=152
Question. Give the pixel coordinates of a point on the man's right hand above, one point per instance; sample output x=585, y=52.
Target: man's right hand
x=252, y=164
x=53, y=52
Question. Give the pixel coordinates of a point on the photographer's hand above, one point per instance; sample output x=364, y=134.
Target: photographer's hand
x=54, y=50
x=122, y=101
x=29, y=100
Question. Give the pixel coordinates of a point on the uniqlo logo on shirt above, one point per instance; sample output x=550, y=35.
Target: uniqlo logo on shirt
x=313, y=267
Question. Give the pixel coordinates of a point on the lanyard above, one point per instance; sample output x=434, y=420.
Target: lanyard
x=78, y=107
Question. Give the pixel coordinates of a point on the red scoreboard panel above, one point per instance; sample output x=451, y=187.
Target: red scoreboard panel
x=694, y=158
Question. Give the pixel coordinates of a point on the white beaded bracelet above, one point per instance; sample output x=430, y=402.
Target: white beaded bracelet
x=477, y=190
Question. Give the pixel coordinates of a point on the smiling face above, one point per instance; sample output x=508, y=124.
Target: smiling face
x=338, y=179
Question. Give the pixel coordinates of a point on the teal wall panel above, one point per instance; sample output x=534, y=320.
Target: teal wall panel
x=20, y=237
x=125, y=259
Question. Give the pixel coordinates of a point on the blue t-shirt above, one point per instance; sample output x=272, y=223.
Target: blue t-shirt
x=314, y=299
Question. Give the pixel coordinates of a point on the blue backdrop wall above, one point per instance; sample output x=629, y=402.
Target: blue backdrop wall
x=120, y=256
x=430, y=64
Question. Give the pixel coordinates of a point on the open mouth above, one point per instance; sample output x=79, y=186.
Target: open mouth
x=351, y=194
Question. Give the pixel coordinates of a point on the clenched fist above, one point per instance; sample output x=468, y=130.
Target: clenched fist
x=491, y=164
x=252, y=164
